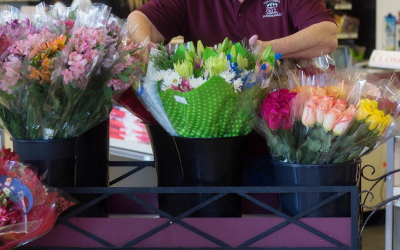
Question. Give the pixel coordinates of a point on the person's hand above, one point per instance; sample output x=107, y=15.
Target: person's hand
x=144, y=56
x=254, y=42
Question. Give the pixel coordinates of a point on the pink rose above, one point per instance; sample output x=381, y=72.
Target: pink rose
x=274, y=121
x=341, y=124
x=309, y=116
x=340, y=104
x=324, y=104
x=276, y=109
x=330, y=117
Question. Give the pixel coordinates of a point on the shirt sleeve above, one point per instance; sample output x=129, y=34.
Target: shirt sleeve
x=168, y=16
x=305, y=13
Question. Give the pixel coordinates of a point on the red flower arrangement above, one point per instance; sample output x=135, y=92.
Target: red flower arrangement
x=28, y=208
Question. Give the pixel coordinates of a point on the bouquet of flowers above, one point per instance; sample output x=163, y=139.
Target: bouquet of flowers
x=205, y=92
x=28, y=209
x=60, y=71
x=328, y=117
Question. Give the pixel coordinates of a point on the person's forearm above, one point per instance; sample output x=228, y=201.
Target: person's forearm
x=145, y=29
x=314, y=41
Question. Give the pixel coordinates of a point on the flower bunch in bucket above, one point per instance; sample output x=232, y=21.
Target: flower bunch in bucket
x=205, y=92
x=327, y=117
x=60, y=71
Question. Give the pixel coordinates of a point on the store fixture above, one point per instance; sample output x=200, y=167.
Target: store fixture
x=171, y=232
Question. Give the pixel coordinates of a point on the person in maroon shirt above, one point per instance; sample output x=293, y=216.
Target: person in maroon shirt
x=295, y=28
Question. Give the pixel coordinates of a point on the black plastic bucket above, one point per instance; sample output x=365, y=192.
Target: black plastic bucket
x=214, y=162
x=168, y=169
x=57, y=157
x=340, y=174
x=92, y=156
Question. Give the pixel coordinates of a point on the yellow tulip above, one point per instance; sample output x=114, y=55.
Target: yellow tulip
x=374, y=104
x=364, y=110
x=375, y=119
x=386, y=121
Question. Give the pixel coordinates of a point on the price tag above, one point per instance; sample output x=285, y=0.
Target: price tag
x=181, y=99
x=364, y=150
x=265, y=83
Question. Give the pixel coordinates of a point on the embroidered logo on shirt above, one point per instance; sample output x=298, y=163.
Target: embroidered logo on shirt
x=271, y=8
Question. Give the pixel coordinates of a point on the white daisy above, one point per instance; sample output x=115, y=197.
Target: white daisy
x=157, y=76
x=228, y=75
x=237, y=84
x=172, y=78
x=196, y=82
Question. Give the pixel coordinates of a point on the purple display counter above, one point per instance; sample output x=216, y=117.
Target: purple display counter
x=232, y=231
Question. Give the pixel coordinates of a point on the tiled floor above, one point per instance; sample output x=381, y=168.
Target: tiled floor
x=374, y=238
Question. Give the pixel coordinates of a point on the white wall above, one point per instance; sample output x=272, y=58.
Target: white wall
x=383, y=7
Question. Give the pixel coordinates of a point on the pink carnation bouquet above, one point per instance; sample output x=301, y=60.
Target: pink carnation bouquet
x=59, y=72
x=323, y=116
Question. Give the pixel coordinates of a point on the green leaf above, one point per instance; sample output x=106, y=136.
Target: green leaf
x=240, y=50
x=73, y=84
x=326, y=142
x=127, y=72
x=179, y=54
x=67, y=90
x=124, y=79
x=81, y=116
x=209, y=53
x=90, y=92
x=313, y=145
x=199, y=72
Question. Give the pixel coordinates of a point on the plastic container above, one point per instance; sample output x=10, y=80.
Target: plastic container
x=341, y=174
x=213, y=162
x=168, y=169
x=56, y=157
x=92, y=158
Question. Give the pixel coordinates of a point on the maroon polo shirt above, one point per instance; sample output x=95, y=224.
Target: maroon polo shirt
x=213, y=20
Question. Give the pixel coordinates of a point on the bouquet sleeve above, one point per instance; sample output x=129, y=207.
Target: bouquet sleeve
x=32, y=207
x=203, y=92
x=60, y=73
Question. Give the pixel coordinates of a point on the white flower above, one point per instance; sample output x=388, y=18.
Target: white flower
x=6, y=191
x=228, y=75
x=157, y=76
x=196, y=82
x=170, y=78
x=237, y=84
x=48, y=133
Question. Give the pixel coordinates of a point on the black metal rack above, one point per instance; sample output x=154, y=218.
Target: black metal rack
x=106, y=192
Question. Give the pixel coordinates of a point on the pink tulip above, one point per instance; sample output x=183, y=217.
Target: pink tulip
x=343, y=122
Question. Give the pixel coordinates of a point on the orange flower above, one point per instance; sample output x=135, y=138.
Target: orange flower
x=61, y=40
x=35, y=74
